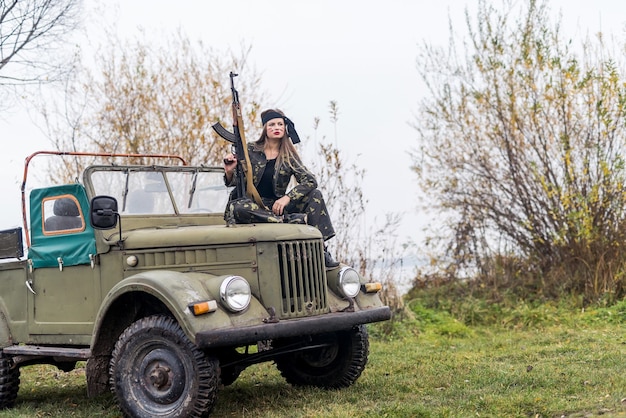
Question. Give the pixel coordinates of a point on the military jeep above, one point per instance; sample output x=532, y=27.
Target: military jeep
x=134, y=271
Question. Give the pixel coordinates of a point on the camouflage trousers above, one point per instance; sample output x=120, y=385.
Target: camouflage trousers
x=246, y=211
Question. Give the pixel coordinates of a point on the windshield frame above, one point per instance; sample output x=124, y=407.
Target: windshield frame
x=162, y=190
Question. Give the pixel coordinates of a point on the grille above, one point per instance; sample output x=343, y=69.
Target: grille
x=227, y=259
x=303, y=287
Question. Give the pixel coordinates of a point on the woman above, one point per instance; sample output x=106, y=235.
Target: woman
x=274, y=160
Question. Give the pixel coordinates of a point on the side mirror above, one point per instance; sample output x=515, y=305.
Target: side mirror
x=103, y=213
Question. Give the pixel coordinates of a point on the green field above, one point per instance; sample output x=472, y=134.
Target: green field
x=571, y=365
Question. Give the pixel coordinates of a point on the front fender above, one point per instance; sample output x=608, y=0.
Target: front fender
x=363, y=300
x=177, y=291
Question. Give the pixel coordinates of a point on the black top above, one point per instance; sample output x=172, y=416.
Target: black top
x=266, y=185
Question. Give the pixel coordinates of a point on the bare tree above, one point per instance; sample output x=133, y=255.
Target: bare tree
x=147, y=98
x=31, y=32
x=371, y=248
x=522, y=145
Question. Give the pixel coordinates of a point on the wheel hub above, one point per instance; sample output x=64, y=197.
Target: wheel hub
x=163, y=376
x=159, y=377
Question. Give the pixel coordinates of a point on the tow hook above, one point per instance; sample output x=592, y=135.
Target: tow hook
x=272, y=318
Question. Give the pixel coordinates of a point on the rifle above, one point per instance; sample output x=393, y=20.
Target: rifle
x=243, y=170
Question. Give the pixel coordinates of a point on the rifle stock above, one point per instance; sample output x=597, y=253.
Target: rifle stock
x=243, y=171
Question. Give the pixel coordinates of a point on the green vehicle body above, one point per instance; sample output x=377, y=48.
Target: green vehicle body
x=79, y=288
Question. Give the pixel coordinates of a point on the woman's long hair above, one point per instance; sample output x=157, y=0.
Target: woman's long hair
x=287, y=152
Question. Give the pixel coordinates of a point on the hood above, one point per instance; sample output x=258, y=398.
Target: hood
x=159, y=237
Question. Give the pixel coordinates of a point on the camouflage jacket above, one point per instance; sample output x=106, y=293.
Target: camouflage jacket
x=282, y=176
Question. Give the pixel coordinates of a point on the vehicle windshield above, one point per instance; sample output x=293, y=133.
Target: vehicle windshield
x=161, y=190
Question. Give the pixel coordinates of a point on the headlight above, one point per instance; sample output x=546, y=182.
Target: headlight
x=235, y=293
x=349, y=282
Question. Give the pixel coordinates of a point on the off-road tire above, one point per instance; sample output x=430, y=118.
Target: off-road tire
x=9, y=382
x=336, y=366
x=155, y=371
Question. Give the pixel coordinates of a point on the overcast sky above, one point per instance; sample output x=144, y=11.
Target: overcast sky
x=359, y=53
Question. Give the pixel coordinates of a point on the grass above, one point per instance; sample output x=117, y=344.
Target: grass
x=569, y=365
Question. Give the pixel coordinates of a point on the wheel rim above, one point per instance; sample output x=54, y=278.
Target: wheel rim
x=322, y=357
x=162, y=376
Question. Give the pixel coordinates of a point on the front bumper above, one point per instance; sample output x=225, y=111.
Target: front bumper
x=290, y=328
